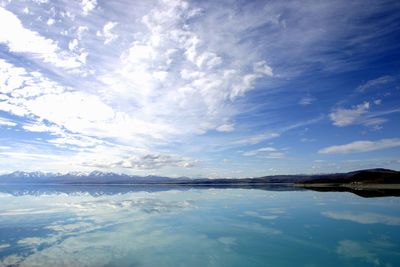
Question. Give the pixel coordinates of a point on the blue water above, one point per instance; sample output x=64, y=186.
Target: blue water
x=196, y=227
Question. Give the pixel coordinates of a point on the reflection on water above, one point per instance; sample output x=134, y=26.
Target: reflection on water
x=159, y=226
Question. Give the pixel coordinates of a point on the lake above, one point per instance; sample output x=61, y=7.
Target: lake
x=156, y=226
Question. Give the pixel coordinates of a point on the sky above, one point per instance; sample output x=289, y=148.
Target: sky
x=199, y=88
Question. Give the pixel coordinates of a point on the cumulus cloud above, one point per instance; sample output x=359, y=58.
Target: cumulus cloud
x=107, y=32
x=172, y=69
x=81, y=31
x=88, y=6
x=344, y=117
x=361, y=146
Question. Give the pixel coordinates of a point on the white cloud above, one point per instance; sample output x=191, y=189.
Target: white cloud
x=77, y=112
x=16, y=37
x=81, y=31
x=361, y=146
x=305, y=101
x=17, y=85
x=4, y=245
x=226, y=128
x=86, y=114
x=68, y=108
x=374, y=122
x=41, y=1
x=73, y=44
x=255, y=152
x=375, y=82
x=42, y=127
x=107, y=32
x=144, y=162
x=362, y=115
x=263, y=68
x=344, y=117
x=171, y=71
x=50, y=21
x=88, y=6
x=258, y=138
x=67, y=140
x=266, y=152
x=275, y=155
x=255, y=139
x=7, y=122
x=307, y=140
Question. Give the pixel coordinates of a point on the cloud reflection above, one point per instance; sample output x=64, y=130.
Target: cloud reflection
x=362, y=217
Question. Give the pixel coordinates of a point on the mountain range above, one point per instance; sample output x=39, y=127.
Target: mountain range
x=370, y=176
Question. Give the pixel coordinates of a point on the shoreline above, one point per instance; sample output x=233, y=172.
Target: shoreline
x=355, y=186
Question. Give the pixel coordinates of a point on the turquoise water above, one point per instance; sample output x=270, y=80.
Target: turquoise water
x=196, y=227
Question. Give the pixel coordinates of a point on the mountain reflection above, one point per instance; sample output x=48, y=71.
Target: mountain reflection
x=98, y=190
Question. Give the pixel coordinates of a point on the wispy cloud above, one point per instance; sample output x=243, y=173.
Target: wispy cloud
x=226, y=128
x=255, y=139
x=361, y=146
x=266, y=152
x=145, y=162
x=125, y=82
x=360, y=114
x=375, y=83
x=7, y=122
x=308, y=100
x=258, y=138
x=16, y=37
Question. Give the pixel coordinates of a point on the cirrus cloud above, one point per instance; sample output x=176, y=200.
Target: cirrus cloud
x=361, y=146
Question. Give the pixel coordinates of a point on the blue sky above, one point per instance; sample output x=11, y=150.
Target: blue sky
x=199, y=88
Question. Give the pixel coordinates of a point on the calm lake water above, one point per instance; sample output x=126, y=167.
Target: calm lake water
x=120, y=226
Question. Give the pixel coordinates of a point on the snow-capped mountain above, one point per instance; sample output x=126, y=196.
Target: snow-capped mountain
x=36, y=174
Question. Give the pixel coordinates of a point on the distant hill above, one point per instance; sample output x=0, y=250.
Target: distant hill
x=370, y=176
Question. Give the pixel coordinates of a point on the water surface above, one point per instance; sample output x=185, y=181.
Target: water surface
x=125, y=226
